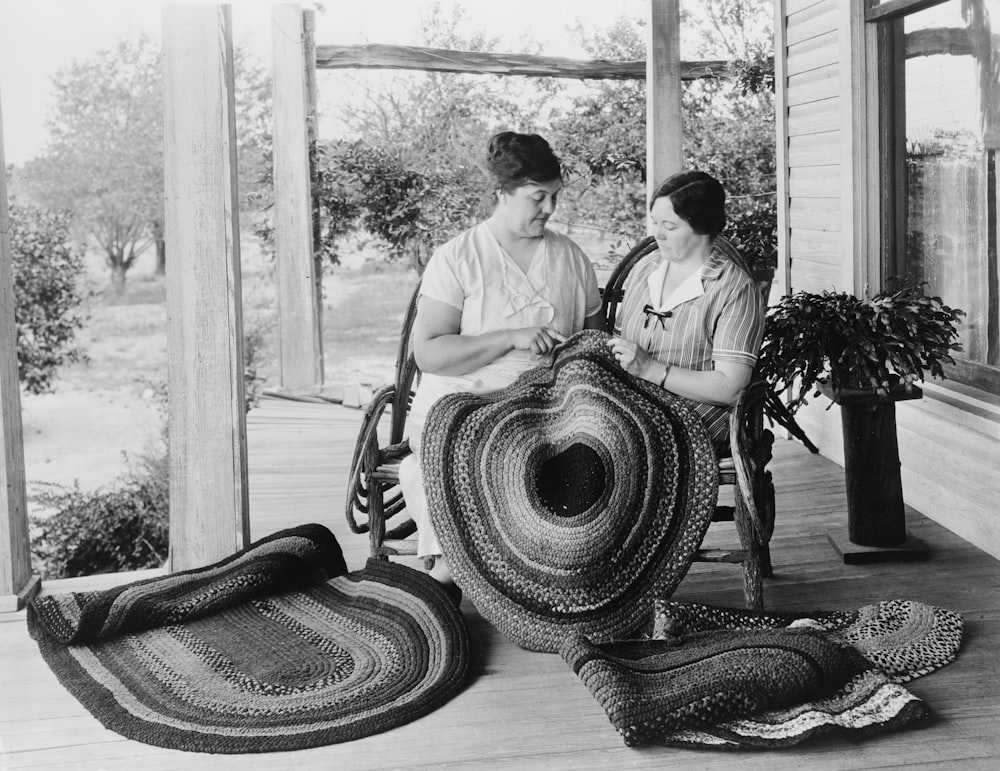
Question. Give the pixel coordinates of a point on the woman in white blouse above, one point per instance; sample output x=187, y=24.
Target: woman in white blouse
x=495, y=300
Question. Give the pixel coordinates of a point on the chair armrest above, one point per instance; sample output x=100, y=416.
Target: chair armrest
x=367, y=456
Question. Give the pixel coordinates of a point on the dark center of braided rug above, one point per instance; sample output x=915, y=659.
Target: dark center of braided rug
x=294, y=652
x=567, y=500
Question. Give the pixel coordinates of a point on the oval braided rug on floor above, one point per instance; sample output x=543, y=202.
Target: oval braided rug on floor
x=567, y=500
x=299, y=667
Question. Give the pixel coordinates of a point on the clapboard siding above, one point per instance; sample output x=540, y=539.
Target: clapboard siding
x=814, y=181
x=794, y=7
x=820, y=149
x=811, y=22
x=812, y=85
x=815, y=52
x=814, y=117
x=815, y=213
x=809, y=276
x=821, y=246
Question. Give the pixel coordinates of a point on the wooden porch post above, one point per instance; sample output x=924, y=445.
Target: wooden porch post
x=17, y=584
x=207, y=412
x=664, y=136
x=298, y=310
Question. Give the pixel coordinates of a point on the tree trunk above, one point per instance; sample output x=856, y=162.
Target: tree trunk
x=161, y=256
x=161, y=247
x=118, y=278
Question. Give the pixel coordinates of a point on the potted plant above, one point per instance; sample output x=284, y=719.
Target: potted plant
x=864, y=354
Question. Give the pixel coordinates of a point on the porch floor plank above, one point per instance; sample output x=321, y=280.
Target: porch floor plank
x=527, y=710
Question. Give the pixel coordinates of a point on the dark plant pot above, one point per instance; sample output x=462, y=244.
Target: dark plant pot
x=876, y=513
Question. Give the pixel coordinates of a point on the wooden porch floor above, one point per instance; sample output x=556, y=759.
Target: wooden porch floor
x=527, y=710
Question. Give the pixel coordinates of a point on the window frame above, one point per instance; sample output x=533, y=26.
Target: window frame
x=885, y=129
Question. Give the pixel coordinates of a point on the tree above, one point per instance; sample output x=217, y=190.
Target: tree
x=104, y=159
x=47, y=295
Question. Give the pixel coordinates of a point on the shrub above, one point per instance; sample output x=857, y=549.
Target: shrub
x=47, y=294
x=753, y=228
x=102, y=532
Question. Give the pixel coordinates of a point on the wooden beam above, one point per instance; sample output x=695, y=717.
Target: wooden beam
x=17, y=584
x=396, y=57
x=298, y=317
x=664, y=134
x=889, y=8
x=209, y=511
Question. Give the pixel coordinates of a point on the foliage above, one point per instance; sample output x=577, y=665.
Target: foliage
x=47, y=294
x=253, y=352
x=103, y=531
x=754, y=75
x=601, y=138
x=730, y=29
x=728, y=126
x=752, y=226
x=104, y=158
x=356, y=185
x=837, y=338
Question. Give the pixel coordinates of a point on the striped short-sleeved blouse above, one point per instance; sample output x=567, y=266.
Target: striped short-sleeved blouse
x=720, y=320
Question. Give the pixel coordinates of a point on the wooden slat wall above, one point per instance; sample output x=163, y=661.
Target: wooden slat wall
x=949, y=443
x=814, y=143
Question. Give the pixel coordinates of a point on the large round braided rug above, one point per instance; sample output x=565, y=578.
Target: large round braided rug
x=567, y=500
x=320, y=663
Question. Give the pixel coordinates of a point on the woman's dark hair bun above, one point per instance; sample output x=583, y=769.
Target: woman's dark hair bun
x=515, y=159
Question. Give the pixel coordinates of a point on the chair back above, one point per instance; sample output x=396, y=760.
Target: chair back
x=407, y=372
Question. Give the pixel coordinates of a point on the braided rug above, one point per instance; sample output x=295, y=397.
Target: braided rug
x=652, y=689
x=649, y=698
x=566, y=501
x=287, y=658
x=904, y=639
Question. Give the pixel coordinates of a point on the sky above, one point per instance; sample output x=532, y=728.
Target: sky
x=38, y=37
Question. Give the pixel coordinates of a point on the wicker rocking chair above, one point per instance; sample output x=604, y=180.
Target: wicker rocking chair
x=374, y=497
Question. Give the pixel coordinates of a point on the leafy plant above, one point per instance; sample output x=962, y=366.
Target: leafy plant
x=753, y=228
x=870, y=344
x=47, y=294
x=102, y=531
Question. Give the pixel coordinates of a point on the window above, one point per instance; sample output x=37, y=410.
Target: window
x=939, y=125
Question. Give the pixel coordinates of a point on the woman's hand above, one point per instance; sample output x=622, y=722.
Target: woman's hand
x=633, y=358
x=538, y=340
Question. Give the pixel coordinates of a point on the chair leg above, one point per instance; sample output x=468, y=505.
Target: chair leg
x=376, y=520
x=765, y=507
x=753, y=584
x=757, y=558
x=765, y=561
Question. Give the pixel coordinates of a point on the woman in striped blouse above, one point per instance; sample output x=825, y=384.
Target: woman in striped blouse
x=691, y=320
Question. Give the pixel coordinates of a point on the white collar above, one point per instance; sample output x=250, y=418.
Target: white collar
x=691, y=288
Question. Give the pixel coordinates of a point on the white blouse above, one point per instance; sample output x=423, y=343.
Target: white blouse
x=474, y=274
